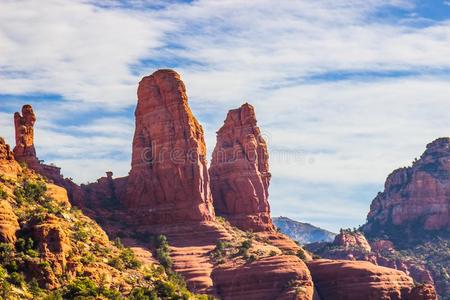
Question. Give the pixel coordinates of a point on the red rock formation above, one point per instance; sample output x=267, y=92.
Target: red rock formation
x=24, y=150
x=352, y=240
x=416, y=196
x=240, y=172
x=382, y=253
x=8, y=223
x=5, y=151
x=24, y=126
x=8, y=165
x=169, y=181
x=277, y=277
x=423, y=292
x=339, y=280
x=53, y=243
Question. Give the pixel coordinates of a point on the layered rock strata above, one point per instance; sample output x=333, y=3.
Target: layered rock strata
x=416, y=197
x=240, y=172
x=168, y=181
x=339, y=280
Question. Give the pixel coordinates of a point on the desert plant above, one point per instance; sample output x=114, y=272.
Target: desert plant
x=301, y=254
x=3, y=194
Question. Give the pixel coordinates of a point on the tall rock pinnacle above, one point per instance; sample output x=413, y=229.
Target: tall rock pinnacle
x=24, y=126
x=168, y=181
x=240, y=172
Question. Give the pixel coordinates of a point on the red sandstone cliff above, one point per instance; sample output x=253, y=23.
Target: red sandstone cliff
x=240, y=172
x=416, y=196
x=169, y=181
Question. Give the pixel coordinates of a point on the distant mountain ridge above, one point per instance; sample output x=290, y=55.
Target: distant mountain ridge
x=304, y=233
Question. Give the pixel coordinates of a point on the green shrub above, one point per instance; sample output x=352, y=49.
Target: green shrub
x=3, y=274
x=80, y=233
x=17, y=279
x=117, y=263
x=164, y=259
x=87, y=258
x=273, y=253
x=301, y=254
x=44, y=265
x=6, y=253
x=34, y=288
x=84, y=287
x=3, y=194
x=245, y=247
x=24, y=244
x=30, y=192
x=125, y=260
x=129, y=259
x=162, y=252
x=118, y=243
x=141, y=293
x=32, y=253
x=5, y=290
x=220, y=250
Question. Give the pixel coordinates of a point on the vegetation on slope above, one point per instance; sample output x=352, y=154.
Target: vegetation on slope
x=59, y=253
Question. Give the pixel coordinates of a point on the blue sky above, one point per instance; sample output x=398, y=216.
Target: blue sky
x=345, y=91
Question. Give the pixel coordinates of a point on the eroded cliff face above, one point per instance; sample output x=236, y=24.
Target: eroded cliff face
x=8, y=165
x=240, y=172
x=169, y=181
x=416, y=198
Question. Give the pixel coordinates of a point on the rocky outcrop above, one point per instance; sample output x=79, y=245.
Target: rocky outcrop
x=53, y=243
x=352, y=240
x=381, y=253
x=240, y=172
x=8, y=223
x=416, y=197
x=8, y=165
x=58, y=194
x=169, y=181
x=360, y=280
x=24, y=151
x=5, y=151
x=277, y=277
x=425, y=292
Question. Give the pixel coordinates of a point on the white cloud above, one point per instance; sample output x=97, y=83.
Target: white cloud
x=74, y=49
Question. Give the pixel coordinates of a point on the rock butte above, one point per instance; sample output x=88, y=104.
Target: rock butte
x=240, y=172
x=416, y=196
x=168, y=191
x=354, y=246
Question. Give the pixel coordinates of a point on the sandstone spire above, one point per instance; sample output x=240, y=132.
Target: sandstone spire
x=168, y=181
x=240, y=172
x=24, y=127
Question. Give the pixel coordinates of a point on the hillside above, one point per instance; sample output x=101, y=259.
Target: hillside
x=303, y=233
x=51, y=250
